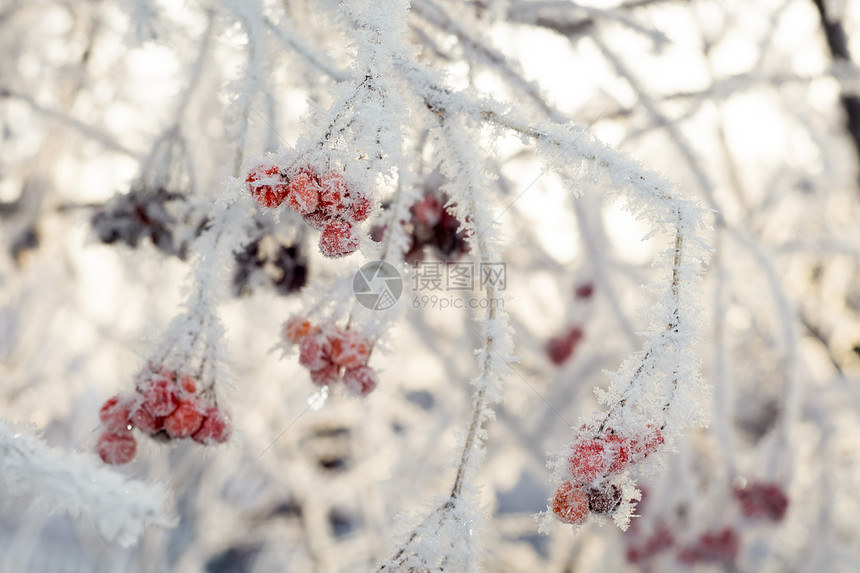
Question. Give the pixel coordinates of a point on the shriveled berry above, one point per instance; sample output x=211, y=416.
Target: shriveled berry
x=160, y=396
x=115, y=414
x=215, y=428
x=604, y=500
x=335, y=197
x=116, y=449
x=570, y=503
x=326, y=376
x=588, y=460
x=349, y=348
x=297, y=327
x=303, y=193
x=315, y=351
x=185, y=420
x=377, y=232
x=338, y=239
x=360, y=380
x=266, y=186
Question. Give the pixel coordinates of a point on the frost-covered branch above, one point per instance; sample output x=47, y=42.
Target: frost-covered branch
x=78, y=484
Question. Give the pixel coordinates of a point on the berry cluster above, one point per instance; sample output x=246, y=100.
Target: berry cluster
x=431, y=225
x=661, y=539
x=166, y=406
x=333, y=354
x=713, y=547
x=592, y=461
x=264, y=261
x=434, y=226
x=142, y=212
x=761, y=500
x=326, y=201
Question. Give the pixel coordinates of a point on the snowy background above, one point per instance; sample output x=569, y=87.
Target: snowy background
x=582, y=143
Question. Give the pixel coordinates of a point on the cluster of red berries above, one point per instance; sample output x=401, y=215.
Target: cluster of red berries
x=592, y=461
x=326, y=201
x=713, y=547
x=761, y=500
x=431, y=225
x=333, y=354
x=166, y=406
x=661, y=539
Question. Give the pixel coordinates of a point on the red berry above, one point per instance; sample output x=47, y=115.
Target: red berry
x=560, y=348
x=604, y=500
x=146, y=422
x=647, y=444
x=360, y=380
x=360, y=208
x=215, y=428
x=570, y=504
x=185, y=420
x=338, y=239
x=619, y=452
x=116, y=449
x=334, y=194
x=327, y=375
x=266, y=186
x=188, y=384
x=589, y=460
x=297, y=327
x=160, y=396
x=349, y=349
x=584, y=291
x=115, y=414
x=303, y=193
x=315, y=351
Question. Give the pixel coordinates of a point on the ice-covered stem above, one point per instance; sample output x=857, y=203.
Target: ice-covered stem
x=651, y=198
x=290, y=39
x=723, y=413
x=479, y=50
x=460, y=163
x=197, y=333
x=248, y=15
x=80, y=485
x=792, y=394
